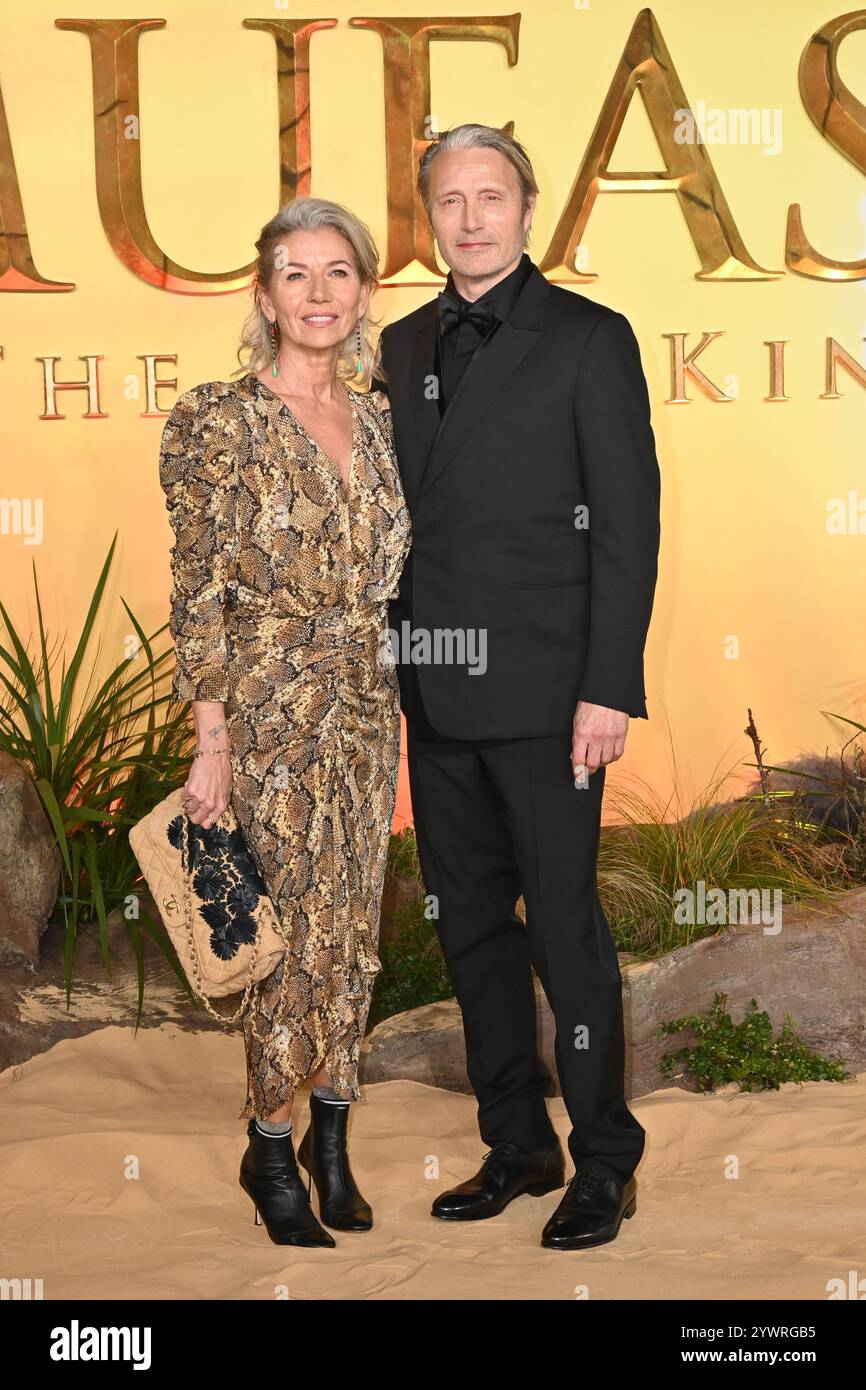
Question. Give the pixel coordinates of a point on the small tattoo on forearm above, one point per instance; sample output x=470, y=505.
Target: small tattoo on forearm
x=216, y=730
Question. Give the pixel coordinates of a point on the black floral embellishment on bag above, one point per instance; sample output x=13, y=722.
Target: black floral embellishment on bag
x=209, y=881
x=225, y=880
x=242, y=900
x=227, y=932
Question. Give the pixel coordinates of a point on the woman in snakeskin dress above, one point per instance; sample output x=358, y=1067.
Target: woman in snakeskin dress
x=291, y=531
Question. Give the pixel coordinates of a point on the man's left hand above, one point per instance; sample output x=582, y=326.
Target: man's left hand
x=598, y=736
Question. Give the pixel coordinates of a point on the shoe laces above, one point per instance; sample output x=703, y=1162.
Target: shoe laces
x=500, y=1153
x=583, y=1185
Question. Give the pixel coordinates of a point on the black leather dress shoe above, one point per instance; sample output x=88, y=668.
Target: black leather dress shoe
x=507, y=1171
x=590, y=1213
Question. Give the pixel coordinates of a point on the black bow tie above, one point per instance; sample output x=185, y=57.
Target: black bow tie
x=456, y=311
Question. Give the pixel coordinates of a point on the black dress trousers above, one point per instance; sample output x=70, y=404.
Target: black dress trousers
x=494, y=819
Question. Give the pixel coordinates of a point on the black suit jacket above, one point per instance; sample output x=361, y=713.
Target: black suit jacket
x=551, y=416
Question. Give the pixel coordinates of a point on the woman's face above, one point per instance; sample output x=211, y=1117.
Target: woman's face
x=315, y=291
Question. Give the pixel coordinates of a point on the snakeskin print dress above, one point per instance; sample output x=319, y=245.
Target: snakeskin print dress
x=279, y=609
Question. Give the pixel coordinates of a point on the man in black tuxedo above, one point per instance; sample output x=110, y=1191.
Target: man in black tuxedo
x=523, y=434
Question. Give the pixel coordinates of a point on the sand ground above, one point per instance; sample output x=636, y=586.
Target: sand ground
x=119, y=1158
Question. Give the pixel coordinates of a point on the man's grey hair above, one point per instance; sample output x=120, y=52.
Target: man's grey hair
x=474, y=137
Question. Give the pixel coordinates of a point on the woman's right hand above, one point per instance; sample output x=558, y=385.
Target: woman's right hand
x=208, y=788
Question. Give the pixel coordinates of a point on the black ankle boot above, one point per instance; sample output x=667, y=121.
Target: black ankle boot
x=323, y=1153
x=269, y=1175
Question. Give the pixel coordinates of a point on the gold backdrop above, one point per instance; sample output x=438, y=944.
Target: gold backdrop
x=701, y=170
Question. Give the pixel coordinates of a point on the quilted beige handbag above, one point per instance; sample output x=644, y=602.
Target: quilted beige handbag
x=212, y=899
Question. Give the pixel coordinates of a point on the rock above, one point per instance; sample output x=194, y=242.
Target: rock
x=29, y=865
x=814, y=969
x=33, y=1011
x=424, y=1044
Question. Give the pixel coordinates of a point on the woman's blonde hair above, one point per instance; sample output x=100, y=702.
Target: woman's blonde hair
x=313, y=215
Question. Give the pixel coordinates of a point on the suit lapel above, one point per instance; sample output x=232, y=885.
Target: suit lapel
x=425, y=407
x=443, y=435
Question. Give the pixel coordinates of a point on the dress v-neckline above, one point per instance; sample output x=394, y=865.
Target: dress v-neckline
x=345, y=488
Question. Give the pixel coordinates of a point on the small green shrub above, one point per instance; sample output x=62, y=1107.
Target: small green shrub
x=745, y=1052
x=413, y=968
x=647, y=857
x=100, y=759
x=403, y=853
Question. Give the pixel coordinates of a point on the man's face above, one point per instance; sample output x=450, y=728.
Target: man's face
x=476, y=212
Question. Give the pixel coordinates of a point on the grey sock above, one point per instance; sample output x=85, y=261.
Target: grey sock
x=266, y=1127
x=328, y=1093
